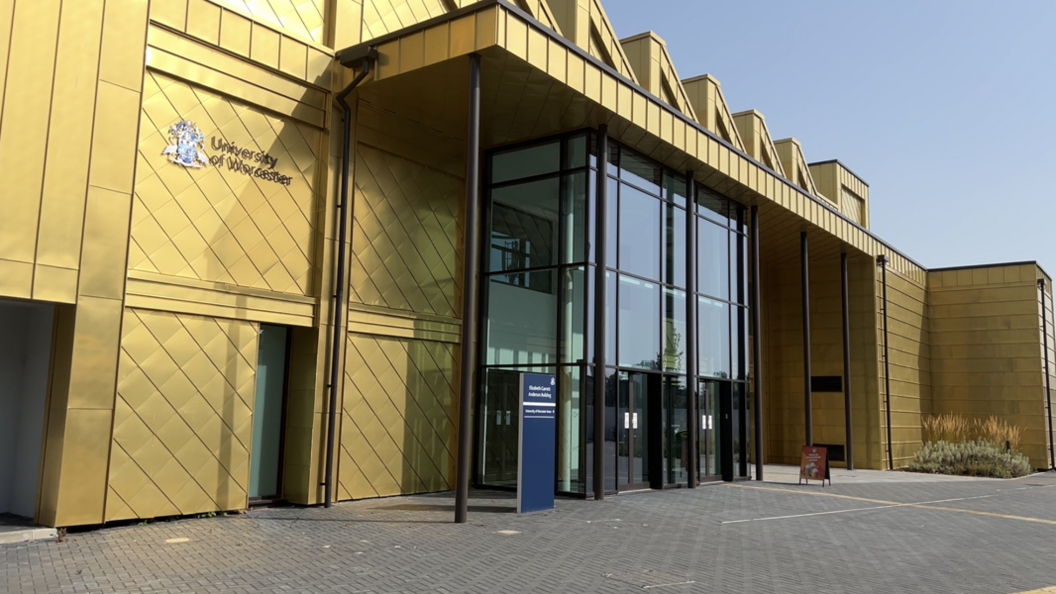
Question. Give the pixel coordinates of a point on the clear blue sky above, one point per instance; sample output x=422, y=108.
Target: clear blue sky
x=946, y=108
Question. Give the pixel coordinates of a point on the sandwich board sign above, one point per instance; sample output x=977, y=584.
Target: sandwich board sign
x=535, y=447
x=814, y=465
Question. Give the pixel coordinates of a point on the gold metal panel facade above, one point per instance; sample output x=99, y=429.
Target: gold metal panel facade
x=406, y=235
x=219, y=225
x=782, y=363
x=709, y=105
x=751, y=125
x=647, y=53
x=399, y=425
x=303, y=18
x=987, y=340
x=184, y=415
x=909, y=348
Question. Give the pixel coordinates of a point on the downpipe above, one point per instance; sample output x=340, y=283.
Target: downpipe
x=339, y=293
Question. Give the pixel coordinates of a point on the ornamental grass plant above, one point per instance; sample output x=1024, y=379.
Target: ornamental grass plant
x=981, y=447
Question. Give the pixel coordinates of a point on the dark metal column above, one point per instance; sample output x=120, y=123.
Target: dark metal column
x=692, y=408
x=849, y=446
x=601, y=221
x=807, y=396
x=757, y=347
x=882, y=261
x=1048, y=390
x=471, y=261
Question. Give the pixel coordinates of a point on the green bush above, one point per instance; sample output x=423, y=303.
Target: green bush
x=970, y=458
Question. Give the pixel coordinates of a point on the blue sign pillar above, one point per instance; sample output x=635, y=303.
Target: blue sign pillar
x=535, y=449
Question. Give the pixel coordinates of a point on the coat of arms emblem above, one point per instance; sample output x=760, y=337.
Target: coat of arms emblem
x=187, y=145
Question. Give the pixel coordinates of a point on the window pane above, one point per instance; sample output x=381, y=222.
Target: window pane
x=570, y=398
x=573, y=315
x=714, y=337
x=499, y=424
x=675, y=189
x=674, y=330
x=674, y=246
x=524, y=225
x=739, y=342
x=713, y=206
x=522, y=320
x=640, y=172
x=638, y=324
x=610, y=317
x=574, y=211
x=612, y=213
x=639, y=233
x=713, y=274
x=675, y=436
x=527, y=162
x=576, y=152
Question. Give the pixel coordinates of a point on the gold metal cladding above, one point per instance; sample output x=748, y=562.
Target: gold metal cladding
x=406, y=235
x=184, y=415
x=648, y=56
x=845, y=189
x=399, y=418
x=782, y=363
x=216, y=224
x=250, y=29
x=182, y=295
x=985, y=343
x=709, y=105
x=752, y=127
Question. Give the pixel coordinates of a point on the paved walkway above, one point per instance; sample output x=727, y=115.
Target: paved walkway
x=873, y=535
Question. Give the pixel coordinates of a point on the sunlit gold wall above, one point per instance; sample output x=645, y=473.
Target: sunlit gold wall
x=399, y=424
x=71, y=74
x=184, y=416
x=986, y=347
x=783, y=358
x=909, y=349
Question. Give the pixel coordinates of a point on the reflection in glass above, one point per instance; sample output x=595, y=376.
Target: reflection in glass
x=713, y=206
x=675, y=335
x=714, y=337
x=573, y=314
x=713, y=265
x=640, y=172
x=521, y=324
x=499, y=427
x=569, y=473
x=524, y=228
x=674, y=245
x=525, y=162
x=639, y=238
x=639, y=318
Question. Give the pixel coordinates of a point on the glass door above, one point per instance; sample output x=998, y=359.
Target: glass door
x=708, y=404
x=269, y=412
x=632, y=447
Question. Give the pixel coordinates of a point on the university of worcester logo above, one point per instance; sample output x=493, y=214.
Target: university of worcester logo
x=187, y=144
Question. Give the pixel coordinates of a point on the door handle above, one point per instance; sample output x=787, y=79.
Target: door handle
x=626, y=420
x=634, y=421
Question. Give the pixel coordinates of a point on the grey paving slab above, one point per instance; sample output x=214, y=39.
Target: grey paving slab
x=771, y=537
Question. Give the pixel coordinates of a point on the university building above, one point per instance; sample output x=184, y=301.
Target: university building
x=258, y=251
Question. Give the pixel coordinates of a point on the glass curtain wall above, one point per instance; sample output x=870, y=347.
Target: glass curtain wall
x=535, y=290
x=538, y=313
x=722, y=334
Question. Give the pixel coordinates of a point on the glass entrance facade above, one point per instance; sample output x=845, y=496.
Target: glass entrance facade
x=538, y=316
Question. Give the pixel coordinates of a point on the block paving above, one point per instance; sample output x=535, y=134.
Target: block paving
x=973, y=536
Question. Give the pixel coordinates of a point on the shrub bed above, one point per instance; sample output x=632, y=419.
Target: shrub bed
x=970, y=458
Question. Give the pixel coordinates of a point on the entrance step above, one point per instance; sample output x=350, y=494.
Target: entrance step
x=18, y=530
